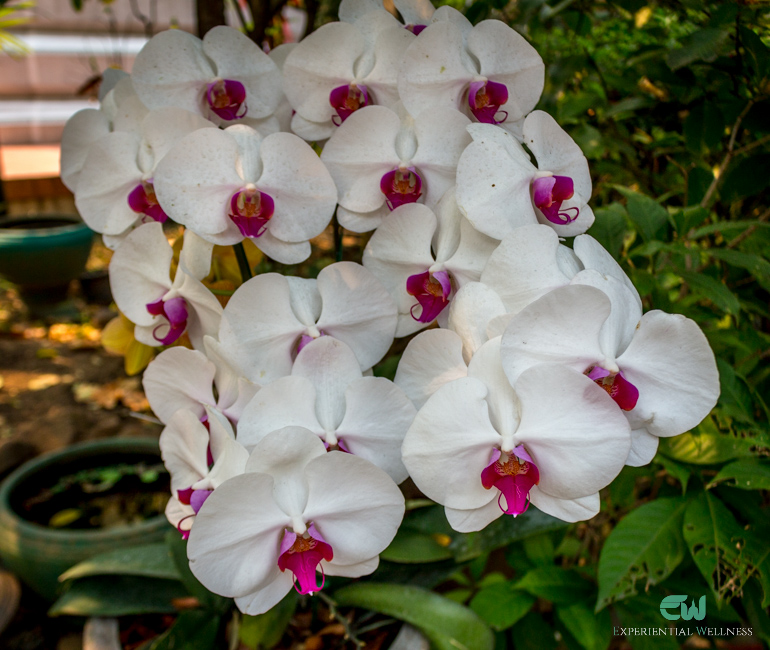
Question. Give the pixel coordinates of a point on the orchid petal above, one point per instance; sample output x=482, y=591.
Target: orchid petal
x=469, y=521
x=183, y=445
x=472, y=309
x=593, y=255
x=206, y=311
x=281, y=251
x=644, y=446
x=82, y=130
x=263, y=600
x=571, y=510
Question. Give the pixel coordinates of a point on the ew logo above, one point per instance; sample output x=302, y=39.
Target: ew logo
x=669, y=602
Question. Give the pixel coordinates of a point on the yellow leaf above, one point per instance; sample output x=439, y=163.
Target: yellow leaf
x=117, y=335
x=642, y=16
x=225, y=265
x=138, y=355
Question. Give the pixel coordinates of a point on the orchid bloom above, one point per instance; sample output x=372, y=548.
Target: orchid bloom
x=296, y=511
x=115, y=190
x=273, y=190
x=327, y=394
x=400, y=254
x=491, y=73
x=380, y=160
x=199, y=456
x=270, y=318
x=499, y=188
x=226, y=77
x=180, y=378
x=658, y=368
x=482, y=449
x=342, y=67
x=161, y=309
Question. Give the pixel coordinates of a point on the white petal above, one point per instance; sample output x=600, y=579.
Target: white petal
x=357, y=310
x=570, y=510
x=377, y=417
x=593, y=256
x=471, y=256
x=644, y=446
x=431, y=359
x=355, y=506
x=353, y=570
x=195, y=257
x=472, y=309
x=305, y=299
x=450, y=443
x=469, y=521
x=183, y=445
x=573, y=430
x=312, y=131
x=281, y=251
x=389, y=47
x=669, y=360
x=82, y=130
x=415, y=12
x=205, y=311
x=179, y=378
x=561, y=327
x=263, y=600
x=177, y=511
x=164, y=127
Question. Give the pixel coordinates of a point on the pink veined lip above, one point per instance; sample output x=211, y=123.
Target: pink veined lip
x=301, y=554
x=175, y=312
x=251, y=210
x=622, y=391
x=142, y=200
x=432, y=292
x=227, y=99
x=549, y=192
x=514, y=474
x=346, y=100
x=485, y=99
x=400, y=186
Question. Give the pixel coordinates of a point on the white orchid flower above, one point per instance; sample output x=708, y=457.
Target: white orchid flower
x=491, y=72
x=180, y=378
x=342, y=67
x=199, y=457
x=327, y=394
x=120, y=110
x=274, y=190
x=658, y=368
x=270, y=318
x=163, y=310
x=380, y=160
x=483, y=450
x=416, y=14
x=115, y=190
x=499, y=188
x=421, y=281
x=296, y=510
x=226, y=77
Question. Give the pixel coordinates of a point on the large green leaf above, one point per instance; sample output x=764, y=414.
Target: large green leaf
x=413, y=547
x=746, y=474
x=502, y=532
x=118, y=596
x=706, y=445
x=196, y=629
x=556, y=584
x=592, y=631
x=735, y=395
x=149, y=560
x=646, y=545
x=713, y=291
x=648, y=215
x=609, y=229
x=704, y=45
x=714, y=538
x=177, y=547
x=266, y=630
x=447, y=624
x=501, y=605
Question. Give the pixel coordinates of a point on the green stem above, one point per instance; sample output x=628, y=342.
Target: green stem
x=337, y=229
x=243, y=262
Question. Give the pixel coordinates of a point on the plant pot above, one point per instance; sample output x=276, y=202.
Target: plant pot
x=42, y=254
x=38, y=554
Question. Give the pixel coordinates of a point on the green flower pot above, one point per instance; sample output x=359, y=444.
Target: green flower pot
x=37, y=554
x=42, y=254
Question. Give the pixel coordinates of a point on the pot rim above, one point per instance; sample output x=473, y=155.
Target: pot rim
x=36, y=465
x=75, y=223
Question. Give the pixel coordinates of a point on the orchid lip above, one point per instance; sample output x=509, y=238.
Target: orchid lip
x=514, y=474
x=415, y=29
x=308, y=338
x=142, y=200
x=485, y=99
x=251, y=210
x=227, y=99
x=400, y=186
x=302, y=554
x=549, y=192
x=622, y=391
x=346, y=100
x=175, y=312
x=432, y=292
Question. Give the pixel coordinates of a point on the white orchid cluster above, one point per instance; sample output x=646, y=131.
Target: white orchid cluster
x=541, y=381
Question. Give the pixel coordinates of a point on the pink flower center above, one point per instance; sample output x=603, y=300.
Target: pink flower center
x=346, y=100
x=625, y=394
x=549, y=192
x=142, y=200
x=251, y=210
x=432, y=292
x=514, y=474
x=401, y=186
x=193, y=498
x=301, y=554
x=485, y=99
x=175, y=313
x=415, y=29
x=307, y=338
x=227, y=99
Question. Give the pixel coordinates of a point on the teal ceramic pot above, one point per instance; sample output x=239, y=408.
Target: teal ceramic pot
x=38, y=555
x=42, y=254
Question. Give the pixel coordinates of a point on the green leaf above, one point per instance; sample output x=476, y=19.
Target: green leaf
x=196, y=629
x=754, y=264
x=713, y=291
x=501, y=605
x=704, y=45
x=706, y=445
x=592, y=631
x=150, y=560
x=746, y=474
x=178, y=549
x=760, y=622
x=646, y=546
x=688, y=218
x=118, y=596
x=609, y=229
x=704, y=127
x=539, y=549
x=267, y=629
x=749, y=177
x=680, y=472
x=555, y=584
x=727, y=226
x=502, y=532
x=447, y=624
x=533, y=633
x=412, y=547
x=714, y=537
x=735, y=396
x=649, y=217
x=639, y=612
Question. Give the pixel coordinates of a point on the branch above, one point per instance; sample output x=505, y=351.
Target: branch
x=349, y=635
x=145, y=20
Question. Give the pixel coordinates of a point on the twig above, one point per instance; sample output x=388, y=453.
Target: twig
x=750, y=230
x=243, y=261
x=337, y=230
x=751, y=146
x=145, y=20
x=332, y=605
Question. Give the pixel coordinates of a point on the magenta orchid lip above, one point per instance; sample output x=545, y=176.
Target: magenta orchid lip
x=227, y=99
x=432, y=292
x=251, y=210
x=175, y=312
x=549, y=192
x=485, y=99
x=401, y=186
x=346, y=100
x=514, y=474
x=301, y=554
x=142, y=200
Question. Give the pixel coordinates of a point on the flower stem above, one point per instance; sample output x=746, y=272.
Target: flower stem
x=337, y=230
x=243, y=262
x=332, y=605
